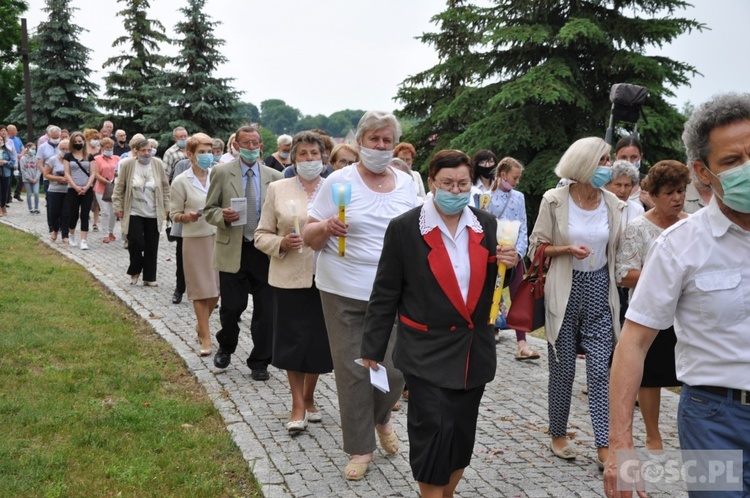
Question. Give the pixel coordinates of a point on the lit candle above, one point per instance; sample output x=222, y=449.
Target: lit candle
x=507, y=235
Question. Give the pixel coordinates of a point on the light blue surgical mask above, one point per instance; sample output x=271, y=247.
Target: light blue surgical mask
x=144, y=160
x=181, y=144
x=283, y=155
x=217, y=157
x=450, y=203
x=204, y=160
x=249, y=155
x=602, y=176
x=736, y=186
x=107, y=153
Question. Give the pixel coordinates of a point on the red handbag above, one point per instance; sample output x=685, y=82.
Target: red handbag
x=527, y=309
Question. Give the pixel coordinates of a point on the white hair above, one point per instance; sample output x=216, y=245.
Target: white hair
x=284, y=140
x=581, y=159
x=375, y=120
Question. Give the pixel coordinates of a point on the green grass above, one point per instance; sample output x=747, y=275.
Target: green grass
x=92, y=402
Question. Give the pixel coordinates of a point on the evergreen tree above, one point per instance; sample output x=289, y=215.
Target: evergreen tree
x=526, y=78
x=11, y=71
x=133, y=84
x=191, y=96
x=61, y=88
x=278, y=117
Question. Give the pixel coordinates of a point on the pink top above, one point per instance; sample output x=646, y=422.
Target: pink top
x=106, y=167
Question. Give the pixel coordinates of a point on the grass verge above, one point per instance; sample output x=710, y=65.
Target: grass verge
x=92, y=402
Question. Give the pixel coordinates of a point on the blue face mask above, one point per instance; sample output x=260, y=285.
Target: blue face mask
x=217, y=157
x=181, y=144
x=283, y=155
x=249, y=155
x=602, y=176
x=204, y=160
x=736, y=184
x=450, y=203
x=144, y=160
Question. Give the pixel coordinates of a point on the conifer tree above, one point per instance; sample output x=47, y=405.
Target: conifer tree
x=133, y=83
x=526, y=78
x=61, y=87
x=11, y=71
x=192, y=96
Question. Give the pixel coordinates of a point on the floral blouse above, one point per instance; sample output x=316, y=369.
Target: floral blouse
x=634, y=246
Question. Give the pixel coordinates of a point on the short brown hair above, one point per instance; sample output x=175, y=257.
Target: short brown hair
x=195, y=140
x=106, y=141
x=664, y=174
x=404, y=146
x=449, y=159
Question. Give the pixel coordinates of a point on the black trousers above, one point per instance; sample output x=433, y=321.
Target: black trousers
x=143, y=245
x=252, y=278
x=79, y=204
x=179, y=272
x=4, y=189
x=57, y=212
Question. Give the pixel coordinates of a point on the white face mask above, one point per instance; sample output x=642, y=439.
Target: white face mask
x=309, y=170
x=375, y=160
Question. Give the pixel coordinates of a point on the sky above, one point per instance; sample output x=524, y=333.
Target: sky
x=328, y=55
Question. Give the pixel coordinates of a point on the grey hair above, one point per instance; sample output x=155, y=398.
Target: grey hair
x=721, y=110
x=306, y=137
x=179, y=128
x=581, y=159
x=52, y=129
x=284, y=140
x=153, y=142
x=120, y=131
x=217, y=143
x=374, y=120
x=400, y=164
x=625, y=168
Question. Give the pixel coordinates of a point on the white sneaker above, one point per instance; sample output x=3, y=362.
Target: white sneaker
x=84, y=245
x=72, y=241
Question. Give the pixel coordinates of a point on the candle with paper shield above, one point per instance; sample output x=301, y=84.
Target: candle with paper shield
x=507, y=235
x=292, y=207
x=342, y=196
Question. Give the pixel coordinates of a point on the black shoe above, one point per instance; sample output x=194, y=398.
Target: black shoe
x=176, y=298
x=222, y=358
x=260, y=374
x=18, y=198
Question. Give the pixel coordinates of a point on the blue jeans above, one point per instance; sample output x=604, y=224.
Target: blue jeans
x=707, y=421
x=32, y=188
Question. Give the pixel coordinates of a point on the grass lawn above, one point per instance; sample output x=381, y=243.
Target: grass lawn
x=92, y=402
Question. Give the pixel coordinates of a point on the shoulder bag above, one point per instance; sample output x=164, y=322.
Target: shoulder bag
x=527, y=309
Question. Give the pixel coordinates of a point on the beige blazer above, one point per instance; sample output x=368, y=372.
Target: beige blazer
x=186, y=197
x=288, y=270
x=122, y=197
x=552, y=227
x=226, y=183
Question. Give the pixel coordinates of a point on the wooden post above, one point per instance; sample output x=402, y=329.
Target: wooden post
x=26, y=80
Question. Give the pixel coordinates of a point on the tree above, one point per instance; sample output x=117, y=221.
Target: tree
x=11, y=71
x=247, y=112
x=526, y=78
x=190, y=95
x=133, y=82
x=61, y=89
x=278, y=117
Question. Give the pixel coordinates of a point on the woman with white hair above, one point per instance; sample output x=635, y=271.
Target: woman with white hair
x=378, y=194
x=580, y=223
x=280, y=159
x=625, y=177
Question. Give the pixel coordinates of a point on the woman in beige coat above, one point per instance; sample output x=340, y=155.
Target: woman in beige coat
x=581, y=224
x=300, y=338
x=188, y=198
x=141, y=201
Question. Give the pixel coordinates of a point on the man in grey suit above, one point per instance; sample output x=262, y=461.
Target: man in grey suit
x=243, y=269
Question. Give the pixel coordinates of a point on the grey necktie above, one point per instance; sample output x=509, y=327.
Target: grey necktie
x=252, y=208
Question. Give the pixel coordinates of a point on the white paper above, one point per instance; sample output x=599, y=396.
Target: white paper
x=239, y=204
x=379, y=378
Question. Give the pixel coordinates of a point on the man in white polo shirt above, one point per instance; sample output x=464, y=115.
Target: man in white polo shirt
x=697, y=276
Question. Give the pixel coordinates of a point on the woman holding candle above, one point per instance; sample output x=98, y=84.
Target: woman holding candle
x=300, y=339
x=438, y=271
x=581, y=224
x=378, y=194
x=187, y=200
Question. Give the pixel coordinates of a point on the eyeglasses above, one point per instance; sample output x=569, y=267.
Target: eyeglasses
x=249, y=144
x=486, y=164
x=344, y=162
x=604, y=160
x=463, y=185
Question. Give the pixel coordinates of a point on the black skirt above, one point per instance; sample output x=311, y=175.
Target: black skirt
x=442, y=426
x=659, y=366
x=300, y=338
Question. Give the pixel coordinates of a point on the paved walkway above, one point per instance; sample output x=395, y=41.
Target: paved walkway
x=511, y=454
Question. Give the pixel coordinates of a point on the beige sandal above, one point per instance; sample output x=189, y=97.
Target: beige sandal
x=355, y=471
x=389, y=442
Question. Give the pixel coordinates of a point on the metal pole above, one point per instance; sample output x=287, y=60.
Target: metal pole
x=26, y=79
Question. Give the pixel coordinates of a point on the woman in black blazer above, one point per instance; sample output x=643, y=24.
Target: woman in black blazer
x=437, y=271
